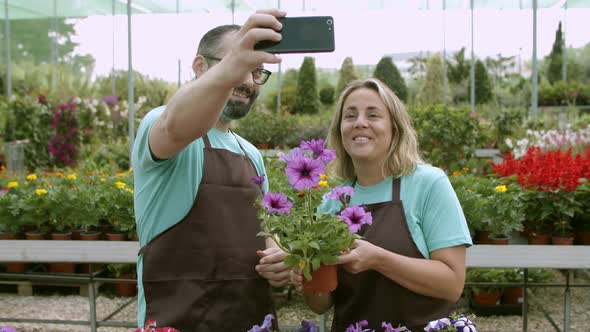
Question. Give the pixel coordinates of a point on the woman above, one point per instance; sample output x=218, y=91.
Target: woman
x=409, y=268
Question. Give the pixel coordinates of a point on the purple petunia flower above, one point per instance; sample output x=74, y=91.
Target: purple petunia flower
x=276, y=203
x=342, y=194
x=266, y=325
x=437, y=325
x=259, y=180
x=355, y=217
x=358, y=327
x=307, y=326
x=463, y=324
x=304, y=173
x=7, y=328
x=293, y=154
x=316, y=147
x=388, y=328
x=110, y=100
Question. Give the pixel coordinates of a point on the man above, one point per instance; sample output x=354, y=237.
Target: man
x=194, y=194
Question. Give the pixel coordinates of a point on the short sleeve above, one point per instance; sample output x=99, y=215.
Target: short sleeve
x=443, y=222
x=142, y=156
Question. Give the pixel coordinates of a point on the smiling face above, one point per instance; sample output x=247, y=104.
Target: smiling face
x=365, y=127
x=244, y=95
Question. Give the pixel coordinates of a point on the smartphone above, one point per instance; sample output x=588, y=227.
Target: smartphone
x=306, y=34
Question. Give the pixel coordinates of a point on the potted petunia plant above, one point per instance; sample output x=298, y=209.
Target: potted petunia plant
x=311, y=238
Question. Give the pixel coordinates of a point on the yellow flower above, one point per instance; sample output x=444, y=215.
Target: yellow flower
x=72, y=176
x=12, y=184
x=324, y=176
x=465, y=169
x=32, y=177
x=130, y=170
x=501, y=189
x=301, y=265
x=323, y=183
x=41, y=192
x=102, y=179
x=120, y=175
x=455, y=174
x=127, y=190
x=120, y=184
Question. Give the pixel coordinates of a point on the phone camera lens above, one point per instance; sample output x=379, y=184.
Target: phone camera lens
x=329, y=22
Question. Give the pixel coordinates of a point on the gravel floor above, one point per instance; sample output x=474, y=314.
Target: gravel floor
x=291, y=312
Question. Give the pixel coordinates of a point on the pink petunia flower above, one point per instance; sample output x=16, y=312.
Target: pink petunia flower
x=276, y=203
x=304, y=173
x=342, y=194
x=316, y=147
x=355, y=217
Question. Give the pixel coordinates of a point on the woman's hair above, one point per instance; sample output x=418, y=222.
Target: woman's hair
x=402, y=155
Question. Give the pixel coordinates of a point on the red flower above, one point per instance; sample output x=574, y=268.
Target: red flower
x=553, y=170
x=151, y=326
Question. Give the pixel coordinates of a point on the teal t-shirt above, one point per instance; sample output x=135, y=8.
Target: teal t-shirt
x=433, y=213
x=165, y=190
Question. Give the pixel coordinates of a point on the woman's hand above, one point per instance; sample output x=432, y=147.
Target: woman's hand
x=272, y=266
x=296, y=277
x=360, y=258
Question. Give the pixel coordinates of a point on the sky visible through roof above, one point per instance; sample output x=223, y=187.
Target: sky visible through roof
x=160, y=41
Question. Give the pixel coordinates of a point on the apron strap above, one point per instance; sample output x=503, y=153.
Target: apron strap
x=238, y=141
x=395, y=189
x=206, y=141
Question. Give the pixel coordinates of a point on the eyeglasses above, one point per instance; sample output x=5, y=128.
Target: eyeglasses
x=259, y=75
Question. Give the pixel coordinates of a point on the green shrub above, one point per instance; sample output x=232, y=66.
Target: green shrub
x=483, y=85
x=307, y=100
x=447, y=136
x=261, y=128
x=387, y=72
x=327, y=95
x=27, y=119
x=347, y=74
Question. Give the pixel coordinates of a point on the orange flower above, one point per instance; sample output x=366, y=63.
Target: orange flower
x=456, y=173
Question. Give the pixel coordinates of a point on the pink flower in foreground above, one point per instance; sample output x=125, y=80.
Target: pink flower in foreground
x=276, y=203
x=151, y=326
x=355, y=217
x=304, y=173
x=316, y=147
x=342, y=194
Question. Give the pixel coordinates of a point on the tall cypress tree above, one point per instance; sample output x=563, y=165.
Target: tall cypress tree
x=556, y=57
x=431, y=92
x=387, y=72
x=347, y=74
x=483, y=85
x=307, y=99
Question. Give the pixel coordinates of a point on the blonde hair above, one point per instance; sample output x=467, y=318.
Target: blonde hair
x=402, y=155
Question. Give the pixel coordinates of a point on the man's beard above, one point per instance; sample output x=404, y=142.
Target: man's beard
x=235, y=110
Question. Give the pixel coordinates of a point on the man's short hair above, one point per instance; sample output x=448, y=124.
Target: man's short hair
x=210, y=44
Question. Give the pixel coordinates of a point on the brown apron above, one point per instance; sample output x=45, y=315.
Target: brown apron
x=199, y=275
x=373, y=297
